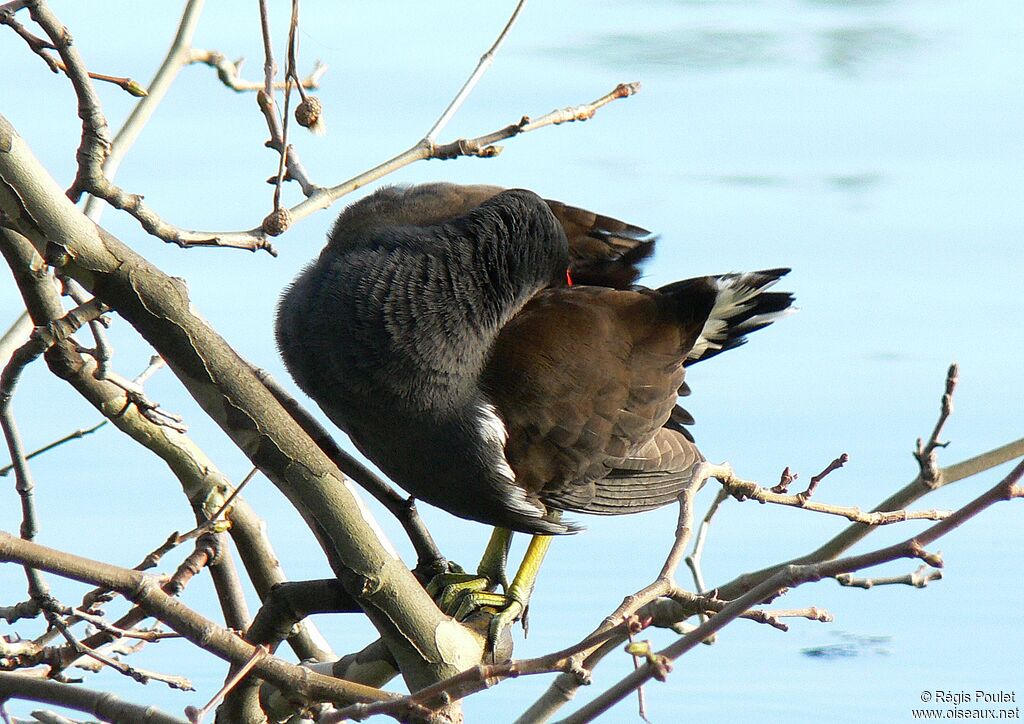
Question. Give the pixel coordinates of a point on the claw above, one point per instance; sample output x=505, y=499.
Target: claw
x=503, y=621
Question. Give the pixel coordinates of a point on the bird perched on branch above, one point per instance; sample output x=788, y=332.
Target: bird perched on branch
x=489, y=351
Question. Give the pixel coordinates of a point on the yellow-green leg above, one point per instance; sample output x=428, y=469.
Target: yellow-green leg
x=511, y=606
x=450, y=589
x=518, y=594
x=461, y=594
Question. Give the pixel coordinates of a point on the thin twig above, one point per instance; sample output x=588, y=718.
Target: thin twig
x=36, y=44
x=173, y=62
x=196, y=716
x=749, y=490
x=792, y=576
x=922, y=485
x=918, y=579
x=140, y=675
x=206, y=551
x=566, y=684
x=640, y=697
x=76, y=435
x=229, y=72
x=143, y=590
x=103, y=352
x=319, y=198
x=481, y=67
x=832, y=466
x=289, y=72
x=175, y=539
x=693, y=560
x=925, y=452
x=40, y=340
x=96, y=143
x=427, y=700
x=91, y=156
x=125, y=84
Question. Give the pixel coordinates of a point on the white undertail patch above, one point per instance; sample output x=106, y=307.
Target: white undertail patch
x=736, y=294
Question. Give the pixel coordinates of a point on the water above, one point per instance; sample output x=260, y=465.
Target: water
x=875, y=147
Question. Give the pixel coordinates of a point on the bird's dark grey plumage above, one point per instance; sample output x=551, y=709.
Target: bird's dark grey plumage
x=438, y=329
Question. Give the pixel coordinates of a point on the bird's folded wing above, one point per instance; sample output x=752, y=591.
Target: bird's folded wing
x=585, y=379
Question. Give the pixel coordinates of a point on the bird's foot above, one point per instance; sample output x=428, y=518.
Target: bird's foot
x=449, y=589
x=472, y=599
x=495, y=614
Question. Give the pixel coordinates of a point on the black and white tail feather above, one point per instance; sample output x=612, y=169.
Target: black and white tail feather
x=737, y=305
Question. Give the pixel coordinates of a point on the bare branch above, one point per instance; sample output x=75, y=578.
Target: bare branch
x=481, y=67
x=925, y=452
x=98, y=703
x=36, y=44
x=140, y=675
x=693, y=560
x=564, y=688
x=791, y=576
x=126, y=84
x=95, y=143
x=198, y=475
x=856, y=532
x=143, y=590
x=174, y=61
x=229, y=72
x=196, y=716
x=834, y=465
x=918, y=579
x=749, y=490
x=76, y=435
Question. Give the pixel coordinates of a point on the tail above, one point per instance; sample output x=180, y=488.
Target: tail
x=728, y=307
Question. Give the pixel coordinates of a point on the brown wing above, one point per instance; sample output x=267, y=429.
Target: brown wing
x=585, y=378
x=593, y=237
x=603, y=251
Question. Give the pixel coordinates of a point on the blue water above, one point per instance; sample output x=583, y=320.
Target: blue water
x=875, y=147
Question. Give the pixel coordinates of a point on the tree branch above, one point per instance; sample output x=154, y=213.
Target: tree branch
x=98, y=703
x=856, y=532
x=196, y=472
x=428, y=645
x=143, y=590
x=794, y=575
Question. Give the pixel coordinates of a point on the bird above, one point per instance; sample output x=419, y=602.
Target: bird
x=493, y=354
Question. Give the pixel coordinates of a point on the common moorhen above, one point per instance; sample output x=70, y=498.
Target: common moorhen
x=490, y=352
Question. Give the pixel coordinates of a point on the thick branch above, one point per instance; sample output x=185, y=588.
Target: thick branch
x=426, y=644
x=196, y=472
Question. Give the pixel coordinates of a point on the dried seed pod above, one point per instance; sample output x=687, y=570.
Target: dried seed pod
x=309, y=114
x=277, y=222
